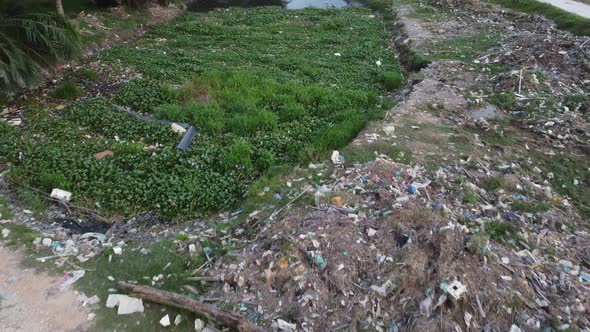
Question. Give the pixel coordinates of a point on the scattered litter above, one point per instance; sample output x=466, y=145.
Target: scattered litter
x=337, y=158
x=71, y=278
x=456, y=289
x=199, y=325
x=100, y=237
x=177, y=129
x=165, y=321
x=284, y=326
x=62, y=195
x=177, y=320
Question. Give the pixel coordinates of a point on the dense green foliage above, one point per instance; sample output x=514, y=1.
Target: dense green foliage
x=287, y=45
x=262, y=86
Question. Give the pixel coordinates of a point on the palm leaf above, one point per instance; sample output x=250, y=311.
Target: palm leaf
x=29, y=43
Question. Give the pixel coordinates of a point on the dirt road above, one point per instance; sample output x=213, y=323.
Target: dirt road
x=575, y=7
x=31, y=301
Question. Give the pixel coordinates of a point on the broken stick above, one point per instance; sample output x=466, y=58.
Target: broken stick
x=224, y=317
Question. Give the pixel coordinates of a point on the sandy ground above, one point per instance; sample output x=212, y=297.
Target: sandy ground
x=31, y=301
x=571, y=6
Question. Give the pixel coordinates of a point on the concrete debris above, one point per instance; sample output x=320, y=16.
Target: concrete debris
x=62, y=195
x=165, y=321
x=199, y=325
x=178, y=320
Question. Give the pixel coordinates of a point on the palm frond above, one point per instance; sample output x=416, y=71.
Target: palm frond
x=31, y=42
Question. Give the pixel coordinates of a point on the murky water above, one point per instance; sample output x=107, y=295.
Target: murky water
x=206, y=5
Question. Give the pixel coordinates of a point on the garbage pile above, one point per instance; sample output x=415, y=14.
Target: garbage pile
x=393, y=247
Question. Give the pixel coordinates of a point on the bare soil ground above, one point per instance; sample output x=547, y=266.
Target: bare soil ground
x=32, y=301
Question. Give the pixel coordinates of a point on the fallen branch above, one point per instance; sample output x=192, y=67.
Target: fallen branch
x=224, y=317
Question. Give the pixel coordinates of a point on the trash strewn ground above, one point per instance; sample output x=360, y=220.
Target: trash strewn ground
x=465, y=208
x=480, y=233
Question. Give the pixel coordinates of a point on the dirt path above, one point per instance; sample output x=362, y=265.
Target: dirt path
x=574, y=7
x=32, y=301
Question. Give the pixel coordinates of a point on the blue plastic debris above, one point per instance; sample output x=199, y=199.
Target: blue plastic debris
x=392, y=328
x=412, y=189
x=207, y=251
x=319, y=260
x=519, y=197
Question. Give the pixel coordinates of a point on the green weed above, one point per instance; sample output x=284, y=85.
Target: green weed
x=33, y=201
x=392, y=80
x=67, y=90
x=500, y=231
x=494, y=183
x=5, y=212
x=530, y=207
x=469, y=197
x=19, y=235
x=143, y=95
x=89, y=74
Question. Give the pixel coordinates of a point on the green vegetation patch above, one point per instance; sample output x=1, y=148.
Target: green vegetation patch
x=67, y=90
x=263, y=87
x=330, y=48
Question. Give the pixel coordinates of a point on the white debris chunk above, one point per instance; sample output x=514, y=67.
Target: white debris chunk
x=284, y=326
x=165, y=321
x=62, y=195
x=199, y=325
x=177, y=128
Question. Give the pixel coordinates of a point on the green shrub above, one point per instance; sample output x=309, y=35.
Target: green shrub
x=392, y=80
x=500, y=231
x=143, y=95
x=469, y=197
x=291, y=112
x=208, y=118
x=239, y=155
x=89, y=74
x=67, y=90
x=172, y=112
x=48, y=181
x=33, y=201
x=530, y=207
x=250, y=123
x=341, y=132
x=8, y=142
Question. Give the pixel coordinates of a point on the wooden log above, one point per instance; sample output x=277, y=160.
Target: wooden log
x=227, y=318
